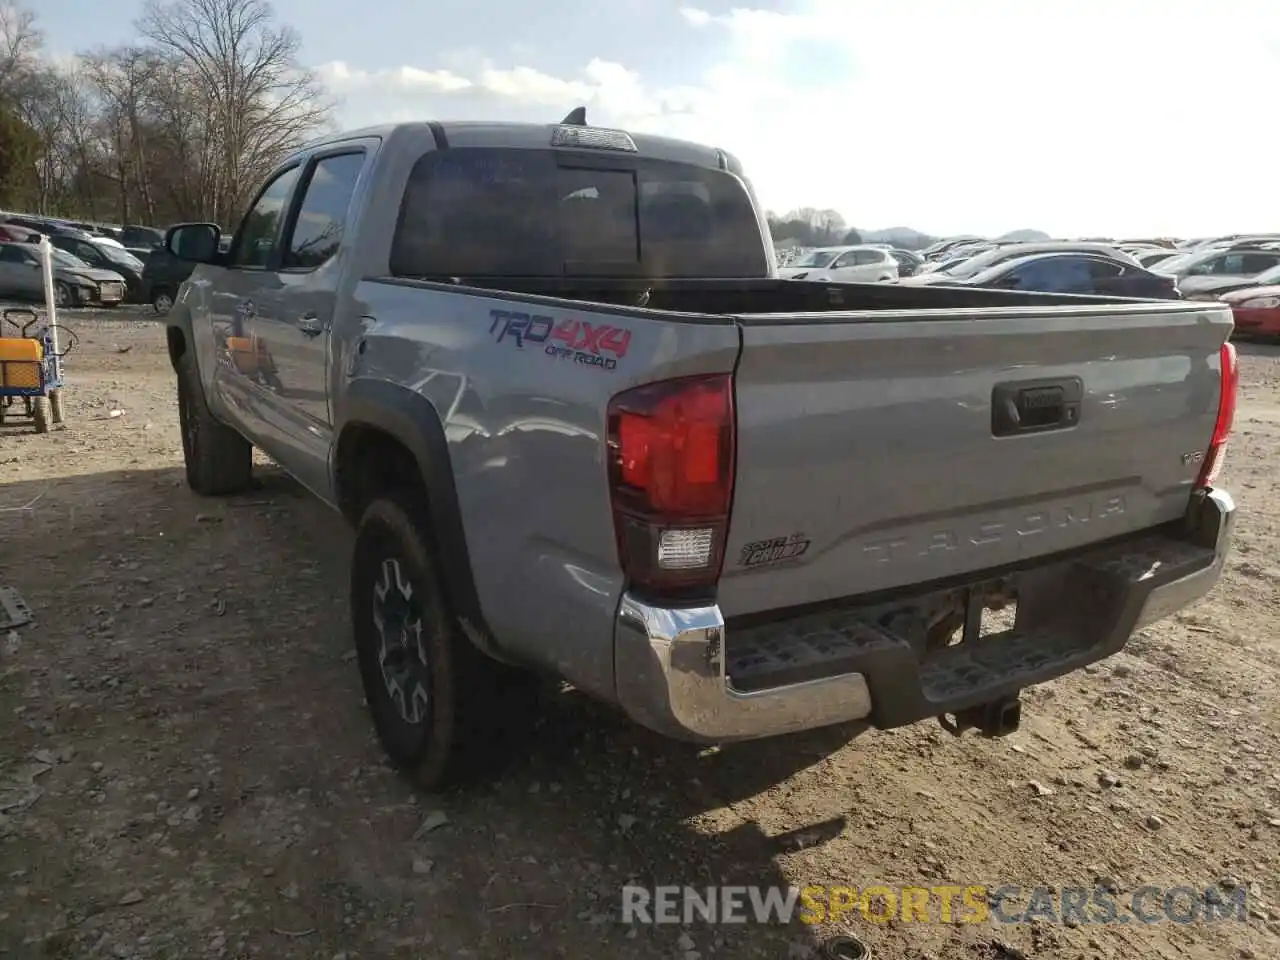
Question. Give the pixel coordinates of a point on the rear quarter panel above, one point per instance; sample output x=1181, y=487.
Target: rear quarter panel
x=524, y=421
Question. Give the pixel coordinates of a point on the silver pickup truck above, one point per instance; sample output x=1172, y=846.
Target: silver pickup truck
x=549, y=375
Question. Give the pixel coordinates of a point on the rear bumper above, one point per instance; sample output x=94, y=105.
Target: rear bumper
x=679, y=671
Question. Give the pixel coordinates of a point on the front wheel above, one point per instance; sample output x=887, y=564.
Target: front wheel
x=62, y=295
x=162, y=301
x=219, y=461
x=438, y=704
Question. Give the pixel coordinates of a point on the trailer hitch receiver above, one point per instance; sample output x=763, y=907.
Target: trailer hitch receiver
x=999, y=718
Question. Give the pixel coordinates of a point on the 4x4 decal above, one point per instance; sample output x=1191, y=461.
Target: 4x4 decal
x=579, y=341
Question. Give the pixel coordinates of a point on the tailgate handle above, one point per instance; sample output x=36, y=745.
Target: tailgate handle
x=1035, y=406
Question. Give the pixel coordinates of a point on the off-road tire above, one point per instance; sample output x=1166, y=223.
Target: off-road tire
x=476, y=707
x=55, y=406
x=41, y=416
x=219, y=461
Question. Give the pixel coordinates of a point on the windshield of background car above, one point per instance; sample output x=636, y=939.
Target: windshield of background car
x=1182, y=261
x=485, y=211
x=818, y=258
x=1268, y=277
x=120, y=256
x=978, y=262
x=69, y=260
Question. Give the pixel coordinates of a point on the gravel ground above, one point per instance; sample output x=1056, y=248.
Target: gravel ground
x=187, y=770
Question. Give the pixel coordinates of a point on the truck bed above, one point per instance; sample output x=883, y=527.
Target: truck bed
x=886, y=436
x=712, y=299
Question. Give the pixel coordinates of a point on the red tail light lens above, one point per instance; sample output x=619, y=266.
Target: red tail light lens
x=671, y=462
x=1226, y=416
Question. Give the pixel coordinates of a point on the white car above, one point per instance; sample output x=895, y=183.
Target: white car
x=860, y=264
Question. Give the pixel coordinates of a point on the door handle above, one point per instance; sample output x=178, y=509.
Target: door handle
x=1036, y=406
x=310, y=325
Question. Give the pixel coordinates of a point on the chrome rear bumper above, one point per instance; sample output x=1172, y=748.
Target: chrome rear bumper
x=673, y=673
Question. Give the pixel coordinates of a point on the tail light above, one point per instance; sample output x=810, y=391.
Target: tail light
x=1226, y=416
x=671, y=463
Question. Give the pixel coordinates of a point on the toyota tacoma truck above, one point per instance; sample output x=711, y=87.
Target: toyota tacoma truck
x=580, y=427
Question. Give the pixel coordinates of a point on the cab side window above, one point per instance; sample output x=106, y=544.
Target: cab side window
x=260, y=230
x=322, y=216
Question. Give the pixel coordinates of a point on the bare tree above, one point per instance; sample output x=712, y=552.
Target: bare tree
x=180, y=125
x=260, y=103
x=20, y=45
x=123, y=81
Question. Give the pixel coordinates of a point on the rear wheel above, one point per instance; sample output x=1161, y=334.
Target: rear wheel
x=219, y=461
x=438, y=704
x=162, y=301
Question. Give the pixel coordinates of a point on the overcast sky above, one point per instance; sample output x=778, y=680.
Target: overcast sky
x=1109, y=117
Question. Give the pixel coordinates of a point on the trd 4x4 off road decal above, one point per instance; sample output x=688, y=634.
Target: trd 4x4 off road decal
x=579, y=341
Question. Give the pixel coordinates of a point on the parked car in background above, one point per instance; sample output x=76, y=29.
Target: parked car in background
x=1077, y=273
x=943, y=247
x=853, y=264
x=104, y=257
x=103, y=240
x=1003, y=254
x=141, y=238
x=1216, y=288
x=909, y=262
x=1149, y=258
x=162, y=275
x=946, y=263
x=1208, y=271
x=1256, y=309
x=75, y=282
x=34, y=224
x=15, y=233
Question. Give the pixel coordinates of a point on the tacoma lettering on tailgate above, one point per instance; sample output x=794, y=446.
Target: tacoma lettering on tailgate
x=983, y=533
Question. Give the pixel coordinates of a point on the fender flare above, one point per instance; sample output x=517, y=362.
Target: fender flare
x=179, y=335
x=412, y=420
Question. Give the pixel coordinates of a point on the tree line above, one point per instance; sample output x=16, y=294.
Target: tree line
x=182, y=124
x=811, y=227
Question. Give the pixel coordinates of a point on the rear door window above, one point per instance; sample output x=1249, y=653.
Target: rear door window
x=484, y=212
x=322, y=216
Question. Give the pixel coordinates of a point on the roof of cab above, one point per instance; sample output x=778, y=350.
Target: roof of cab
x=481, y=133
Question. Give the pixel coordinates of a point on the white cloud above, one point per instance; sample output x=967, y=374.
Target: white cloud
x=699, y=18
x=1074, y=116
x=532, y=86
x=341, y=78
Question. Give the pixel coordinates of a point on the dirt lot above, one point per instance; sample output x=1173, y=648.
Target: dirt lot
x=186, y=767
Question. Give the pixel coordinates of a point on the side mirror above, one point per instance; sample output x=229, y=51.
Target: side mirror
x=193, y=242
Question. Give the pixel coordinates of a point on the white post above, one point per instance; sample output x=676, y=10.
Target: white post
x=50, y=304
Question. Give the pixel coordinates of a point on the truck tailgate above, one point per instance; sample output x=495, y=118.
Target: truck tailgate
x=876, y=451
